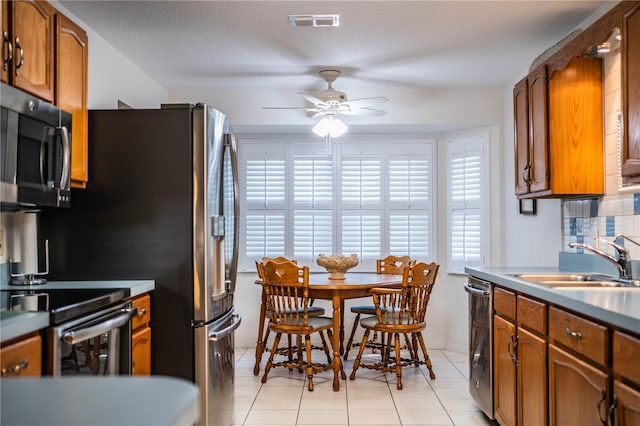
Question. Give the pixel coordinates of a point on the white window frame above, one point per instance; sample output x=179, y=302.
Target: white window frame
x=476, y=140
x=384, y=148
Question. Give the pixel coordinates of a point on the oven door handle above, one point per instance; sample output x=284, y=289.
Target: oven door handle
x=476, y=291
x=72, y=337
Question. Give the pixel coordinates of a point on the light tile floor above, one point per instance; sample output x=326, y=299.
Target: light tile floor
x=371, y=399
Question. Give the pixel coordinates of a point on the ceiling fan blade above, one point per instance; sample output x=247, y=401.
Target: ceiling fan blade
x=313, y=100
x=369, y=112
x=363, y=102
x=284, y=108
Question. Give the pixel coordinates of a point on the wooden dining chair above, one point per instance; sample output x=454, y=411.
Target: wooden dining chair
x=286, y=286
x=389, y=265
x=400, y=311
x=263, y=326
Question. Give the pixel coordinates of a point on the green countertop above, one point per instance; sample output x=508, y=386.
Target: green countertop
x=18, y=323
x=619, y=307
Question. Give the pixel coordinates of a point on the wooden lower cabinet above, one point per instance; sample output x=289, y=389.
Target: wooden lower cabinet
x=532, y=379
x=141, y=336
x=626, y=405
x=22, y=357
x=504, y=372
x=141, y=352
x=578, y=391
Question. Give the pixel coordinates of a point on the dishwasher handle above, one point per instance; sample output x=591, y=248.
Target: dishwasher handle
x=474, y=291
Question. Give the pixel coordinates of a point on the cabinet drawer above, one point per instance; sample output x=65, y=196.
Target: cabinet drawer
x=143, y=304
x=532, y=314
x=626, y=353
x=504, y=302
x=22, y=358
x=586, y=337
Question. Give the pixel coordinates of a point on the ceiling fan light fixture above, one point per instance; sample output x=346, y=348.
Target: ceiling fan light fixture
x=314, y=20
x=333, y=127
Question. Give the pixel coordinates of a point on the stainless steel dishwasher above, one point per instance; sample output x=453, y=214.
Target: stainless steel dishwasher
x=480, y=343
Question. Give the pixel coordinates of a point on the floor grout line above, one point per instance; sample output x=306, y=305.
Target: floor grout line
x=445, y=359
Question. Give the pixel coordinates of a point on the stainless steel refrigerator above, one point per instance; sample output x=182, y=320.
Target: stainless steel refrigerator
x=162, y=204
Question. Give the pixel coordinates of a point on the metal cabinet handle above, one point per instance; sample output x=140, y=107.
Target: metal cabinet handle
x=512, y=349
x=21, y=62
x=612, y=409
x=15, y=369
x=142, y=312
x=6, y=40
x=599, y=408
x=577, y=335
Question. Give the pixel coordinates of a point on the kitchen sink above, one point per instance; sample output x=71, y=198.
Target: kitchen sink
x=572, y=280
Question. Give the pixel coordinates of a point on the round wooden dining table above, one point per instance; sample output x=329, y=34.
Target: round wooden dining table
x=354, y=285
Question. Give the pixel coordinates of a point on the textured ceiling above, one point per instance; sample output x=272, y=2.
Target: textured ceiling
x=394, y=44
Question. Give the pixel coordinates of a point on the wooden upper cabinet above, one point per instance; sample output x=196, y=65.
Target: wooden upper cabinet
x=538, y=130
x=565, y=142
x=31, y=38
x=631, y=95
x=71, y=91
x=521, y=133
x=7, y=46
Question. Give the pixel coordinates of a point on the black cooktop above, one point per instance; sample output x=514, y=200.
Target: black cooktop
x=62, y=304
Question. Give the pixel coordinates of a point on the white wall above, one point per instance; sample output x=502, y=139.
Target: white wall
x=113, y=77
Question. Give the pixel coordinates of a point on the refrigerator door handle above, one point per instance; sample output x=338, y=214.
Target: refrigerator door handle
x=230, y=143
x=215, y=335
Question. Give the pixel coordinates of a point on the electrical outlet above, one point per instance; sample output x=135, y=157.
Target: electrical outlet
x=2, y=243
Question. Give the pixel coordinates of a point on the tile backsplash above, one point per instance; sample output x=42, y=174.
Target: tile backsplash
x=586, y=220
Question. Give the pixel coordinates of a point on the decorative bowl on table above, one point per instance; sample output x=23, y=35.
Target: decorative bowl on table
x=337, y=264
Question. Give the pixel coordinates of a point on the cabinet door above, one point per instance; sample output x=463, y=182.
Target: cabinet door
x=521, y=130
x=71, y=91
x=7, y=47
x=538, y=128
x=141, y=352
x=504, y=382
x=631, y=95
x=578, y=392
x=627, y=405
x=32, y=30
x=532, y=379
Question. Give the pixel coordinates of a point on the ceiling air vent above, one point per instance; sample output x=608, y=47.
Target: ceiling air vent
x=314, y=20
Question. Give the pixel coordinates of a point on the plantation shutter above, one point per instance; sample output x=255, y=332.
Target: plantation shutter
x=465, y=159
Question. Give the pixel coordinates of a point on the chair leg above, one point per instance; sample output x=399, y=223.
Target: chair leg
x=260, y=343
x=356, y=363
x=299, y=352
x=325, y=348
x=398, y=363
x=267, y=367
x=353, y=333
x=427, y=360
x=309, y=363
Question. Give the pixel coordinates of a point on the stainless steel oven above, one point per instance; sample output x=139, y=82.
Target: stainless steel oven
x=90, y=329
x=480, y=343
x=95, y=344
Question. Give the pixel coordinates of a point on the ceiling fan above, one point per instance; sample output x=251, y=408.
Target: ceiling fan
x=331, y=102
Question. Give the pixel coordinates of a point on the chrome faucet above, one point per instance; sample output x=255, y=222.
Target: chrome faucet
x=621, y=259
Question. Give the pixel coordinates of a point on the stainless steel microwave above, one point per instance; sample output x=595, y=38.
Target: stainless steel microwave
x=35, y=152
